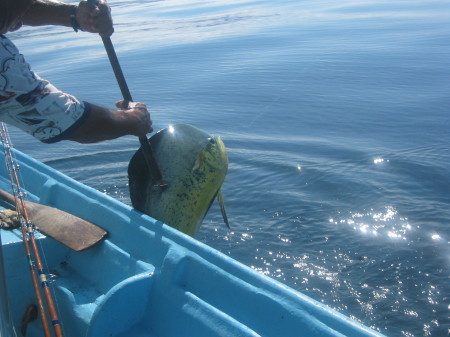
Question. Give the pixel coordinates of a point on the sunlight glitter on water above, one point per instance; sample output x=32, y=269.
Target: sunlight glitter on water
x=380, y=161
x=378, y=223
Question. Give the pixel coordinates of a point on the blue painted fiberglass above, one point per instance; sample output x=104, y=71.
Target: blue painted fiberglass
x=147, y=279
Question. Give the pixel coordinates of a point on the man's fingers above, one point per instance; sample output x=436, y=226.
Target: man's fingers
x=122, y=104
x=95, y=18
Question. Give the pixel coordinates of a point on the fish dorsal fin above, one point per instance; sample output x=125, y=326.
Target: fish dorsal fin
x=222, y=208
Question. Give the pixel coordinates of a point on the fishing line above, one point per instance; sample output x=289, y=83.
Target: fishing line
x=269, y=104
x=28, y=238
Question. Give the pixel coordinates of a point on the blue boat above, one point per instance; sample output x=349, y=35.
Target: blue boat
x=146, y=278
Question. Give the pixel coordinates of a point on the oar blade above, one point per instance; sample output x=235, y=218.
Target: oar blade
x=70, y=230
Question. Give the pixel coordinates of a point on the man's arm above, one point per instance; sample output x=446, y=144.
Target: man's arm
x=102, y=123
x=46, y=12
x=105, y=124
x=95, y=124
x=93, y=19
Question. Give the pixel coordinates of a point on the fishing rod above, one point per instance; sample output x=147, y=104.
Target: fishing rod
x=28, y=238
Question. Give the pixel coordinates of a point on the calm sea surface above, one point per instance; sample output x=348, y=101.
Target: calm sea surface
x=336, y=119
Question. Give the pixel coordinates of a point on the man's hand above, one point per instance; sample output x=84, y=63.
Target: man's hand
x=135, y=118
x=95, y=18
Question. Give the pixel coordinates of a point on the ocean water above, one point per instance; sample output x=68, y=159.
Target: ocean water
x=336, y=119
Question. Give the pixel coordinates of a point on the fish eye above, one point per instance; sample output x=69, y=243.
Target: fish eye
x=212, y=140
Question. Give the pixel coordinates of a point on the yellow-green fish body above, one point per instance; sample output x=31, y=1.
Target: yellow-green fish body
x=194, y=165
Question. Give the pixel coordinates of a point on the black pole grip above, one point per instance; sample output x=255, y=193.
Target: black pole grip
x=145, y=145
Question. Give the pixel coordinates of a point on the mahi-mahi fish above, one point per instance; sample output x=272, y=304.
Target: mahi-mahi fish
x=194, y=165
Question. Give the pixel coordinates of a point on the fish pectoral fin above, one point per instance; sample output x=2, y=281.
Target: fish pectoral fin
x=197, y=164
x=222, y=208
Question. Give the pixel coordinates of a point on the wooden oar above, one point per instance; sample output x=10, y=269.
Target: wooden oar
x=145, y=145
x=70, y=230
